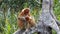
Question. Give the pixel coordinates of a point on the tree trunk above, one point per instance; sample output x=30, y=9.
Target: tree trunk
x=47, y=18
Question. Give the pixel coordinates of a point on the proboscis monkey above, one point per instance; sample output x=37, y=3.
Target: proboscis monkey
x=25, y=20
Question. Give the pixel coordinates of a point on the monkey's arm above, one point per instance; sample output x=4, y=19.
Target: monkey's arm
x=21, y=22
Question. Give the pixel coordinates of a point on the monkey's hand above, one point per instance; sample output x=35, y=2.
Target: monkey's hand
x=30, y=20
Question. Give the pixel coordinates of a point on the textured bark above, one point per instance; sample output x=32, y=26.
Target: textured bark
x=52, y=13
x=47, y=17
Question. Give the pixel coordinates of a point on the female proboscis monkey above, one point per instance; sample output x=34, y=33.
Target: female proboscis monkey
x=25, y=20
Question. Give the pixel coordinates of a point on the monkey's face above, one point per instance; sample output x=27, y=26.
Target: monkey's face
x=26, y=11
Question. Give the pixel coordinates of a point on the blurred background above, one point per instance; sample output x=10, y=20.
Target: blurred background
x=9, y=10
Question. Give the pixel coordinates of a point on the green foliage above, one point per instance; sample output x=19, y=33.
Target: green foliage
x=57, y=8
x=54, y=32
x=9, y=10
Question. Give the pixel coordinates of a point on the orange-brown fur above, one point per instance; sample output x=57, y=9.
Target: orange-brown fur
x=29, y=20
